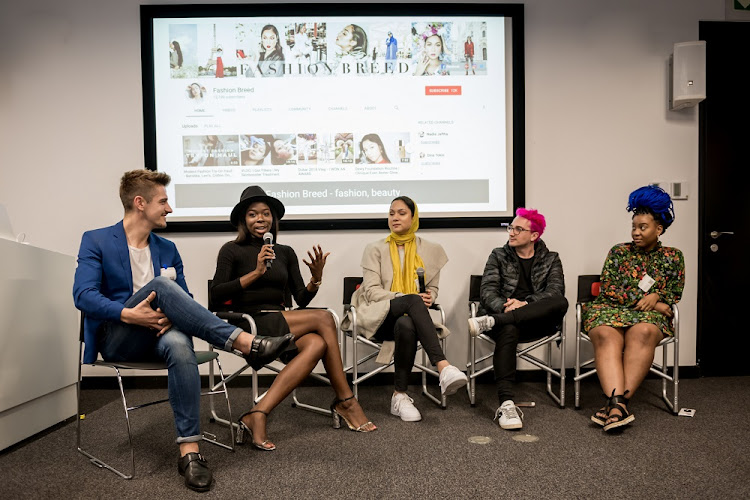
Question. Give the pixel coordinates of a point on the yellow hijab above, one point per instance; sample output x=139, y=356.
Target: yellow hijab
x=404, y=280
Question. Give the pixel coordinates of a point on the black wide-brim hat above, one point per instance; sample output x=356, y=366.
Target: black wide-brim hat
x=250, y=195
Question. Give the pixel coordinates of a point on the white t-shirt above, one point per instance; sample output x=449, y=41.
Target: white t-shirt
x=141, y=266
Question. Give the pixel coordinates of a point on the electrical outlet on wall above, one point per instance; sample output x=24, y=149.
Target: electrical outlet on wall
x=677, y=190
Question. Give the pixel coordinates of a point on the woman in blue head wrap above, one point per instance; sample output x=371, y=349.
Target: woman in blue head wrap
x=640, y=281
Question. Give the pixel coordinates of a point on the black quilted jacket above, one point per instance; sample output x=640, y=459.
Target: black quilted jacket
x=500, y=277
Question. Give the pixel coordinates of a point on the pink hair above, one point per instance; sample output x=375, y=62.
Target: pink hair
x=535, y=218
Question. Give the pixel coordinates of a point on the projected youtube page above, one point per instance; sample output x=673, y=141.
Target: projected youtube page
x=334, y=116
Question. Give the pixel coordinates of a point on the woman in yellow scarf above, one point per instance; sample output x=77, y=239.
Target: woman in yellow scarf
x=391, y=308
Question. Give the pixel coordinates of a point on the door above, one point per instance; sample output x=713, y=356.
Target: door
x=724, y=203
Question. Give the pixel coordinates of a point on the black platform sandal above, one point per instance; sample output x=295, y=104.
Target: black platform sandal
x=338, y=416
x=618, y=403
x=244, y=431
x=601, y=416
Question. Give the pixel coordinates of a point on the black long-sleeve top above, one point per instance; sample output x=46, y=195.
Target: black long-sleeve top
x=268, y=291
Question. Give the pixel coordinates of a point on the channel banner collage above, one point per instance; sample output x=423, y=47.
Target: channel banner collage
x=295, y=149
x=237, y=48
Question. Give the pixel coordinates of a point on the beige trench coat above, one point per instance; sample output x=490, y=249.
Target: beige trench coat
x=372, y=298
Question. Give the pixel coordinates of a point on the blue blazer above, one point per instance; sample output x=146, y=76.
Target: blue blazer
x=104, y=280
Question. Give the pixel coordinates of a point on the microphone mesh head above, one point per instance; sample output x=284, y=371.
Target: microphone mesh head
x=268, y=238
x=420, y=271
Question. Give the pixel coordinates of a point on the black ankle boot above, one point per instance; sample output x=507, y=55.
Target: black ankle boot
x=266, y=349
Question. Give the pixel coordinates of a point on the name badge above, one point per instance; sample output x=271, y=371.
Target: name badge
x=646, y=283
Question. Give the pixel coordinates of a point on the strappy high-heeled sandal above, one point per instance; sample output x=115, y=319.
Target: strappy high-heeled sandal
x=244, y=431
x=600, y=417
x=618, y=403
x=338, y=416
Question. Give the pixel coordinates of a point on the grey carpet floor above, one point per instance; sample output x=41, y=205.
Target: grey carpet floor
x=659, y=456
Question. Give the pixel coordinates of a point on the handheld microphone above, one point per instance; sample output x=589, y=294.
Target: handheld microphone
x=268, y=240
x=420, y=279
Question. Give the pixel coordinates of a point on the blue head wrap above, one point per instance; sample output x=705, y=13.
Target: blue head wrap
x=653, y=200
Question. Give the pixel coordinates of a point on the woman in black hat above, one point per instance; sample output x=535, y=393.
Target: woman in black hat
x=254, y=277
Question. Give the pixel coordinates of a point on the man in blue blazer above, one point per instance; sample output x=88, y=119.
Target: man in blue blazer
x=130, y=285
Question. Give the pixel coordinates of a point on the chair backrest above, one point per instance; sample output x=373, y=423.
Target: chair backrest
x=475, y=283
x=351, y=283
x=588, y=287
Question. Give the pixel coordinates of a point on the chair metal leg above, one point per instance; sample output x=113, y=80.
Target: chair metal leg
x=578, y=375
x=675, y=404
x=441, y=401
x=563, y=350
x=559, y=397
x=355, y=355
x=356, y=361
x=213, y=390
x=471, y=365
x=665, y=378
x=214, y=387
x=296, y=403
x=96, y=461
x=676, y=369
x=304, y=406
x=662, y=371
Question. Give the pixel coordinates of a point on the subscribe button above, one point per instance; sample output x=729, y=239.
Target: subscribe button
x=442, y=90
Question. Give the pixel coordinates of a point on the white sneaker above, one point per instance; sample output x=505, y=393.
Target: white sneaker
x=403, y=406
x=507, y=415
x=480, y=325
x=451, y=380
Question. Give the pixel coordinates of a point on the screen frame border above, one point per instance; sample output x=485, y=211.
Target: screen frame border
x=515, y=12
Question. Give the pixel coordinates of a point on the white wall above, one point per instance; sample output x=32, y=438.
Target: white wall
x=597, y=126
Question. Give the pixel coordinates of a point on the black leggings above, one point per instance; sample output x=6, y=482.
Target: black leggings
x=408, y=321
x=531, y=322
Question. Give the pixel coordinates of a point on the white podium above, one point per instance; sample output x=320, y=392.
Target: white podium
x=39, y=346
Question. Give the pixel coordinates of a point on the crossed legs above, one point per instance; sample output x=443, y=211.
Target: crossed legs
x=409, y=321
x=525, y=324
x=315, y=334
x=119, y=341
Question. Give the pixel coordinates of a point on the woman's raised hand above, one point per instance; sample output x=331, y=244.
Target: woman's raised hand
x=317, y=262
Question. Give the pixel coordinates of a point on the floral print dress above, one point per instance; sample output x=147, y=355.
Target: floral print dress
x=623, y=270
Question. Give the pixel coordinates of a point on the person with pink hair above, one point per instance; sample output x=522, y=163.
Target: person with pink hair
x=522, y=297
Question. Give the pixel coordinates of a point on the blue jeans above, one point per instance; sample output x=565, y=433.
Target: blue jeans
x=119, y=341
